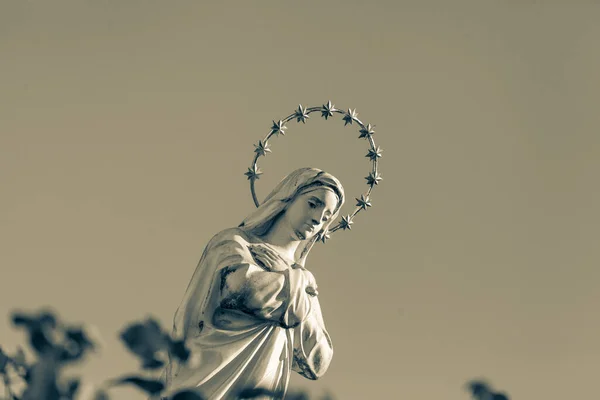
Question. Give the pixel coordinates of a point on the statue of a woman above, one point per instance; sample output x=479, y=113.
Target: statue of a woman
x=251, y=314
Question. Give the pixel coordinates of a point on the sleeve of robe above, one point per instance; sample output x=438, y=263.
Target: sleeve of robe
x=245, y=286
x=313, y=349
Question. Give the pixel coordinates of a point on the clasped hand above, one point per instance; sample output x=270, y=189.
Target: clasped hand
x=268, y=259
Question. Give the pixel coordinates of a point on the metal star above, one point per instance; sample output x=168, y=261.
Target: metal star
x=325, y=237
x=374, y=154
x=327, y=110
x=262, y=148
x=278, y=127
x=373, y=179
x=366, y=132
x=253, y=173
x=301, y=114
x=363, y=202
x=346, y=222
x=350, y=117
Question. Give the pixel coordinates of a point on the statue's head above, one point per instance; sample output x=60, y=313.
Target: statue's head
x=306, y=202
x=307, y=213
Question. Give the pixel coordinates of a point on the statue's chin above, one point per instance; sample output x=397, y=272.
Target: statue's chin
x=300, y=235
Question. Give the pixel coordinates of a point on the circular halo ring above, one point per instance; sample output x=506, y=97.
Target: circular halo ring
x=327, y=110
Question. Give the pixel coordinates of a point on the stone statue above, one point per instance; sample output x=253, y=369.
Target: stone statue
x=251, y=314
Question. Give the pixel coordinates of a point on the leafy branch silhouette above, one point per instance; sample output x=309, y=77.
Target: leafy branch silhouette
x=57, y=345
x=481, y=390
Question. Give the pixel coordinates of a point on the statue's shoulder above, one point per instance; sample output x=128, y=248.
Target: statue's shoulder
x=236, y=235
x=230, y=242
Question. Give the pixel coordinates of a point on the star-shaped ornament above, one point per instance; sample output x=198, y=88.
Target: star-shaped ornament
x=278, y=127
x=327, y=110
x=374, y=154
x=253, y=173
x=262, y=148
x=325, y=236
x=301, y=114
x=350, y=117
x=373, y=179
x=363, y=202
x=366, y=132
x=346, y=222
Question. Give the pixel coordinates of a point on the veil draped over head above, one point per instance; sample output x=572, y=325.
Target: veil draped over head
x=257, y=223
x=297, y=182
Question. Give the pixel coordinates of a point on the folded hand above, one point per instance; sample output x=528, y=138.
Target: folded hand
x=268, y=259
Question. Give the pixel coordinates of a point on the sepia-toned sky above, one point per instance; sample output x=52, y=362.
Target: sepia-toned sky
x=126, y=127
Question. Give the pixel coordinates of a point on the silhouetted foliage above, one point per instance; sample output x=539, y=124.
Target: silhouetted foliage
x=481, y=390
x=252, y=393
x=187, y=395
x=56, y=345
x=152, y=387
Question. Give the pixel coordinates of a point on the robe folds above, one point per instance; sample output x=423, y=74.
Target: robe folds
x=247, y=323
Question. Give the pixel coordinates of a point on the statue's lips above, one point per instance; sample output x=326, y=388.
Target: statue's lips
x=309, y=227
x=300, y=235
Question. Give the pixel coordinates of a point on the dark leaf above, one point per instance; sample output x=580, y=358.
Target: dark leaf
x=79, y=337
x=152, y=363
x=187, y=395
x=28, y=375
x=70, y=354
x=144, y=339
x=179, y=350
x=39, y=340
x=72, y=387
x=3, y=361
x=479, y=389
x=39, y=327
x=45, y=318
x=20, y=319
x=500, y=396
x=150, y=386
x=252, y=393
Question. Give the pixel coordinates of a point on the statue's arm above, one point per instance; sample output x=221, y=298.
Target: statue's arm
x=313, y=349
x=250, y=288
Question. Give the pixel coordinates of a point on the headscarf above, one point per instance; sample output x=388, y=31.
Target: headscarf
x=296, y=183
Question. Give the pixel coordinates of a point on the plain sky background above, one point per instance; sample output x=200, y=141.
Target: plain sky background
x=126, y=128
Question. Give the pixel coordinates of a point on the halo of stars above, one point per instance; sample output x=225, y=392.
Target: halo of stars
x=301, y=114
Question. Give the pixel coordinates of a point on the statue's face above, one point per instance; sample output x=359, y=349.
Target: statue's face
x=308, y=212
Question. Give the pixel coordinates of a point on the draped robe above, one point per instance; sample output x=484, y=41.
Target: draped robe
x=247, y=325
